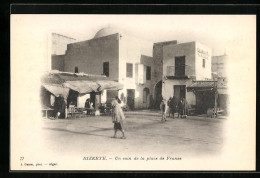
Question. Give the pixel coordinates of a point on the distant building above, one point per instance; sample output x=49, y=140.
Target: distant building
x=218, y=66
x=219, y=74
x=184, y=64
x=121, y=57
x=158, y=59
x=58, y=49
x=59, y=43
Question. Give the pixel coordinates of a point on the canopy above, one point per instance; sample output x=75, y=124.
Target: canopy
x=82, y=86
x=57, y=90
x=202, y=85
x=80, y=82
x=92, y=86
x=109, y=85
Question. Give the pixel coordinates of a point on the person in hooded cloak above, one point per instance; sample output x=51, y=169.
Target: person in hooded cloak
x=118, y=118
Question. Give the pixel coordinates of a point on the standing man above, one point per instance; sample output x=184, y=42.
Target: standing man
x=87, y=106
x=182, y=108
x=162, y=107
x=169, y=107
x=174, y=105
x=59, y=107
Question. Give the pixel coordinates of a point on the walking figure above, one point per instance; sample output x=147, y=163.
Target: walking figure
x=118, y=118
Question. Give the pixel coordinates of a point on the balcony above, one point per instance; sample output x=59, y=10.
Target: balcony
x=180, y=74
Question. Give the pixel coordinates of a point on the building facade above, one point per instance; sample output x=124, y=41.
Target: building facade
x=58, y=49
x=122, y=58
x=182, y=65
x=219, y=74
x=219, y=65
x=59, y=43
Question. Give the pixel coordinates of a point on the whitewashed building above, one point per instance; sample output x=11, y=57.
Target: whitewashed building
x=184, y=64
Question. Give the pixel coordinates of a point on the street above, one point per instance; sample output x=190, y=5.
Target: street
x=145, y=135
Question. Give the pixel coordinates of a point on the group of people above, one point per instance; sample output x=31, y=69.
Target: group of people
x=172, y=106
x=59, y=107
x=88, y=105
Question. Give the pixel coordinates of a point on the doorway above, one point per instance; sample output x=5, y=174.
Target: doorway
x=131, y=98
x=179, y=91
x=204, y=100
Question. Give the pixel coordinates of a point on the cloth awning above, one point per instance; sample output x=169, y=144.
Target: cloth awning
x=202, y=85
x=109, y=85
x=92, y=86
x=79, y=82
x=57, y=90
x=82, y=86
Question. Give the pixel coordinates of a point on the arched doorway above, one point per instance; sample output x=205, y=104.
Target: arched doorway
x=158, y=95
x=146, y=99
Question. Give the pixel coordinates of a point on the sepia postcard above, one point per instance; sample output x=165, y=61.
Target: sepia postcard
x=133, y=92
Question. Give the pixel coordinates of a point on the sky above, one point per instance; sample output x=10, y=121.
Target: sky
x=223, y=33
x=215, y=31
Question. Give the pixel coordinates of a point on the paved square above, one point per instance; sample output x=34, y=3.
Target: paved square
x=145, y=135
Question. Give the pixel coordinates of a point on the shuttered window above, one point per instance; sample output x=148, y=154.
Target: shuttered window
x=129, y=70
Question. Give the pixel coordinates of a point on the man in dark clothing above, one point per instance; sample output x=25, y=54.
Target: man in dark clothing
x=174, y=104
x=62, y=108
x=59, y=107
x=169, y=106
x=87, y=105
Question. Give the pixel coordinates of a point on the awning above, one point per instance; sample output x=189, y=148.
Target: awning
x=202, y=85
x=79, y=82
x=109, y=85
x=57, y=90
x=82, y=86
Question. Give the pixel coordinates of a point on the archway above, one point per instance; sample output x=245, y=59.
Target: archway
x=157, y=95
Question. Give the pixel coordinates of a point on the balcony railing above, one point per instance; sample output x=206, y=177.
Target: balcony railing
x=170, y=72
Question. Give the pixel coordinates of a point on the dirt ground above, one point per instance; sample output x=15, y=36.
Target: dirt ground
x=145, y=135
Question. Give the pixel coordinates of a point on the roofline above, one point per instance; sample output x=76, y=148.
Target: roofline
x=72, y=73
x=165, y=42
x=146, y=55
x=92, y=39
x=204, y=81
x=220, y=55
x=63, y=36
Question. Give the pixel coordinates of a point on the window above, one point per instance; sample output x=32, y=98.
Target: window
x=76, y=70
x=129, y=70
x=180, y=66
x=106, y=68
x=148, y=73
x=203, y=63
